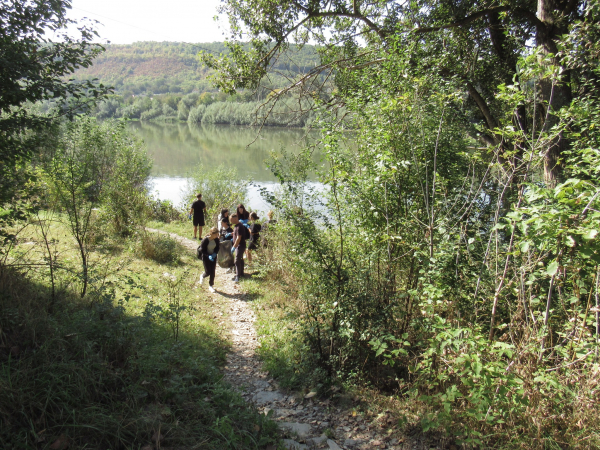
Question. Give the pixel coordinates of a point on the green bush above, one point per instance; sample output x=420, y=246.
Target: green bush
x=159, y=247
x=124, y=195
x=163, y=211
x=196, y=114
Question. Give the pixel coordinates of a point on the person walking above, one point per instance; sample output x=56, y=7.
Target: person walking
x=209, y=249
x=197, y=212
x=240, y=235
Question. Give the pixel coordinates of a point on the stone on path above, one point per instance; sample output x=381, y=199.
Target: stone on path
x=300, y=429
x=290, y=444
x=284, y=412
x=317, y=440
x=333, y=445
x=267, y=397
x=261, y=384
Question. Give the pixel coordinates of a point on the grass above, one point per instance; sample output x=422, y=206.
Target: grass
x=182, y=228
x=134, y=364
x=283, y=349
x=159, y=247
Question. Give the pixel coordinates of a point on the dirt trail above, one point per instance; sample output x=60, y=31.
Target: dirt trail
x=304, y=420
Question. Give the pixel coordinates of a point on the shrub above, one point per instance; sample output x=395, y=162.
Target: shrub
x=159, y=247
x=163, y=210
x=196, y=114
x=125, y=192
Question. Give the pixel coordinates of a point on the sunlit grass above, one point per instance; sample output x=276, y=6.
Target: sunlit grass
x=182, y=228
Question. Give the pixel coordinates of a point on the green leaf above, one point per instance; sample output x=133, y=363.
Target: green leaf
x=552, y=268
x=590, y=234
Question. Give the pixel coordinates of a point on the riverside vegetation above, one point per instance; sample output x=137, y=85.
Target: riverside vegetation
x=453, y=259
x=451, y=262
x=104, y=342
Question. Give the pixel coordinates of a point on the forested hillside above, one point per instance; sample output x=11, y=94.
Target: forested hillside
x=169, y=67
x=166, y=81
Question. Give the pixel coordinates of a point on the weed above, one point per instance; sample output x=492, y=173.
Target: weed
x=163, y=211
x=159, y=247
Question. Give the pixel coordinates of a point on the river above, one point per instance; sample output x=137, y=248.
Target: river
x=177, y=149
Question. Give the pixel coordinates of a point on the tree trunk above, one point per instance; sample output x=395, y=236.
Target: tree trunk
x=555, y=93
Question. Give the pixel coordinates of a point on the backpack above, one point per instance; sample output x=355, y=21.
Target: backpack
x=247, y=234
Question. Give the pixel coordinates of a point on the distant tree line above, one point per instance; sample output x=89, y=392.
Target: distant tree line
x=207, y=108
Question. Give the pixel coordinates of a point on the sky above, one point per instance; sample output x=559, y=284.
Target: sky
x=127, y=21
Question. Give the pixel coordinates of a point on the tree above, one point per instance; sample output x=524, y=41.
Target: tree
x=428, y=259
x=34, y=69
x=220, y=187
x=92, y=165
x=473, y=45
x=124, y=193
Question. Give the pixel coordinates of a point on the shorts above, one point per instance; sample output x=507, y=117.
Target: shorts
x=253, y=245
x=198, y=221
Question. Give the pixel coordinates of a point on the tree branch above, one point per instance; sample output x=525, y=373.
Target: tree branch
x=355, y=15
x=530, y=16
x=482, y=105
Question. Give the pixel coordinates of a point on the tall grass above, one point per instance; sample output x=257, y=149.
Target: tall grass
x=159, y=247
x=105, y=371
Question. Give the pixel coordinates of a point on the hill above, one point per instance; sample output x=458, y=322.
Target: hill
x=170, y=67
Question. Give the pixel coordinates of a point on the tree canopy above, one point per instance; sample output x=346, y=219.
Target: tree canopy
x=452, y=255
x=32, y=69
x=475, y=46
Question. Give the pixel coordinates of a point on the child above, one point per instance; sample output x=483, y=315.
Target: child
x=210, y=247
x=224, y=216
x=243, y=215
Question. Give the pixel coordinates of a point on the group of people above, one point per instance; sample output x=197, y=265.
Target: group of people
x=241, y=228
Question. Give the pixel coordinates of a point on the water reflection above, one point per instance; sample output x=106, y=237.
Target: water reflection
x=172, y=188
x=178, y=148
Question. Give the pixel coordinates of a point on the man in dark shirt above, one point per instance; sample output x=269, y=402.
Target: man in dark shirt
x=240, y=235
x=198, y=209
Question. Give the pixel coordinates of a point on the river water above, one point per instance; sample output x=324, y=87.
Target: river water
x=177, y=149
